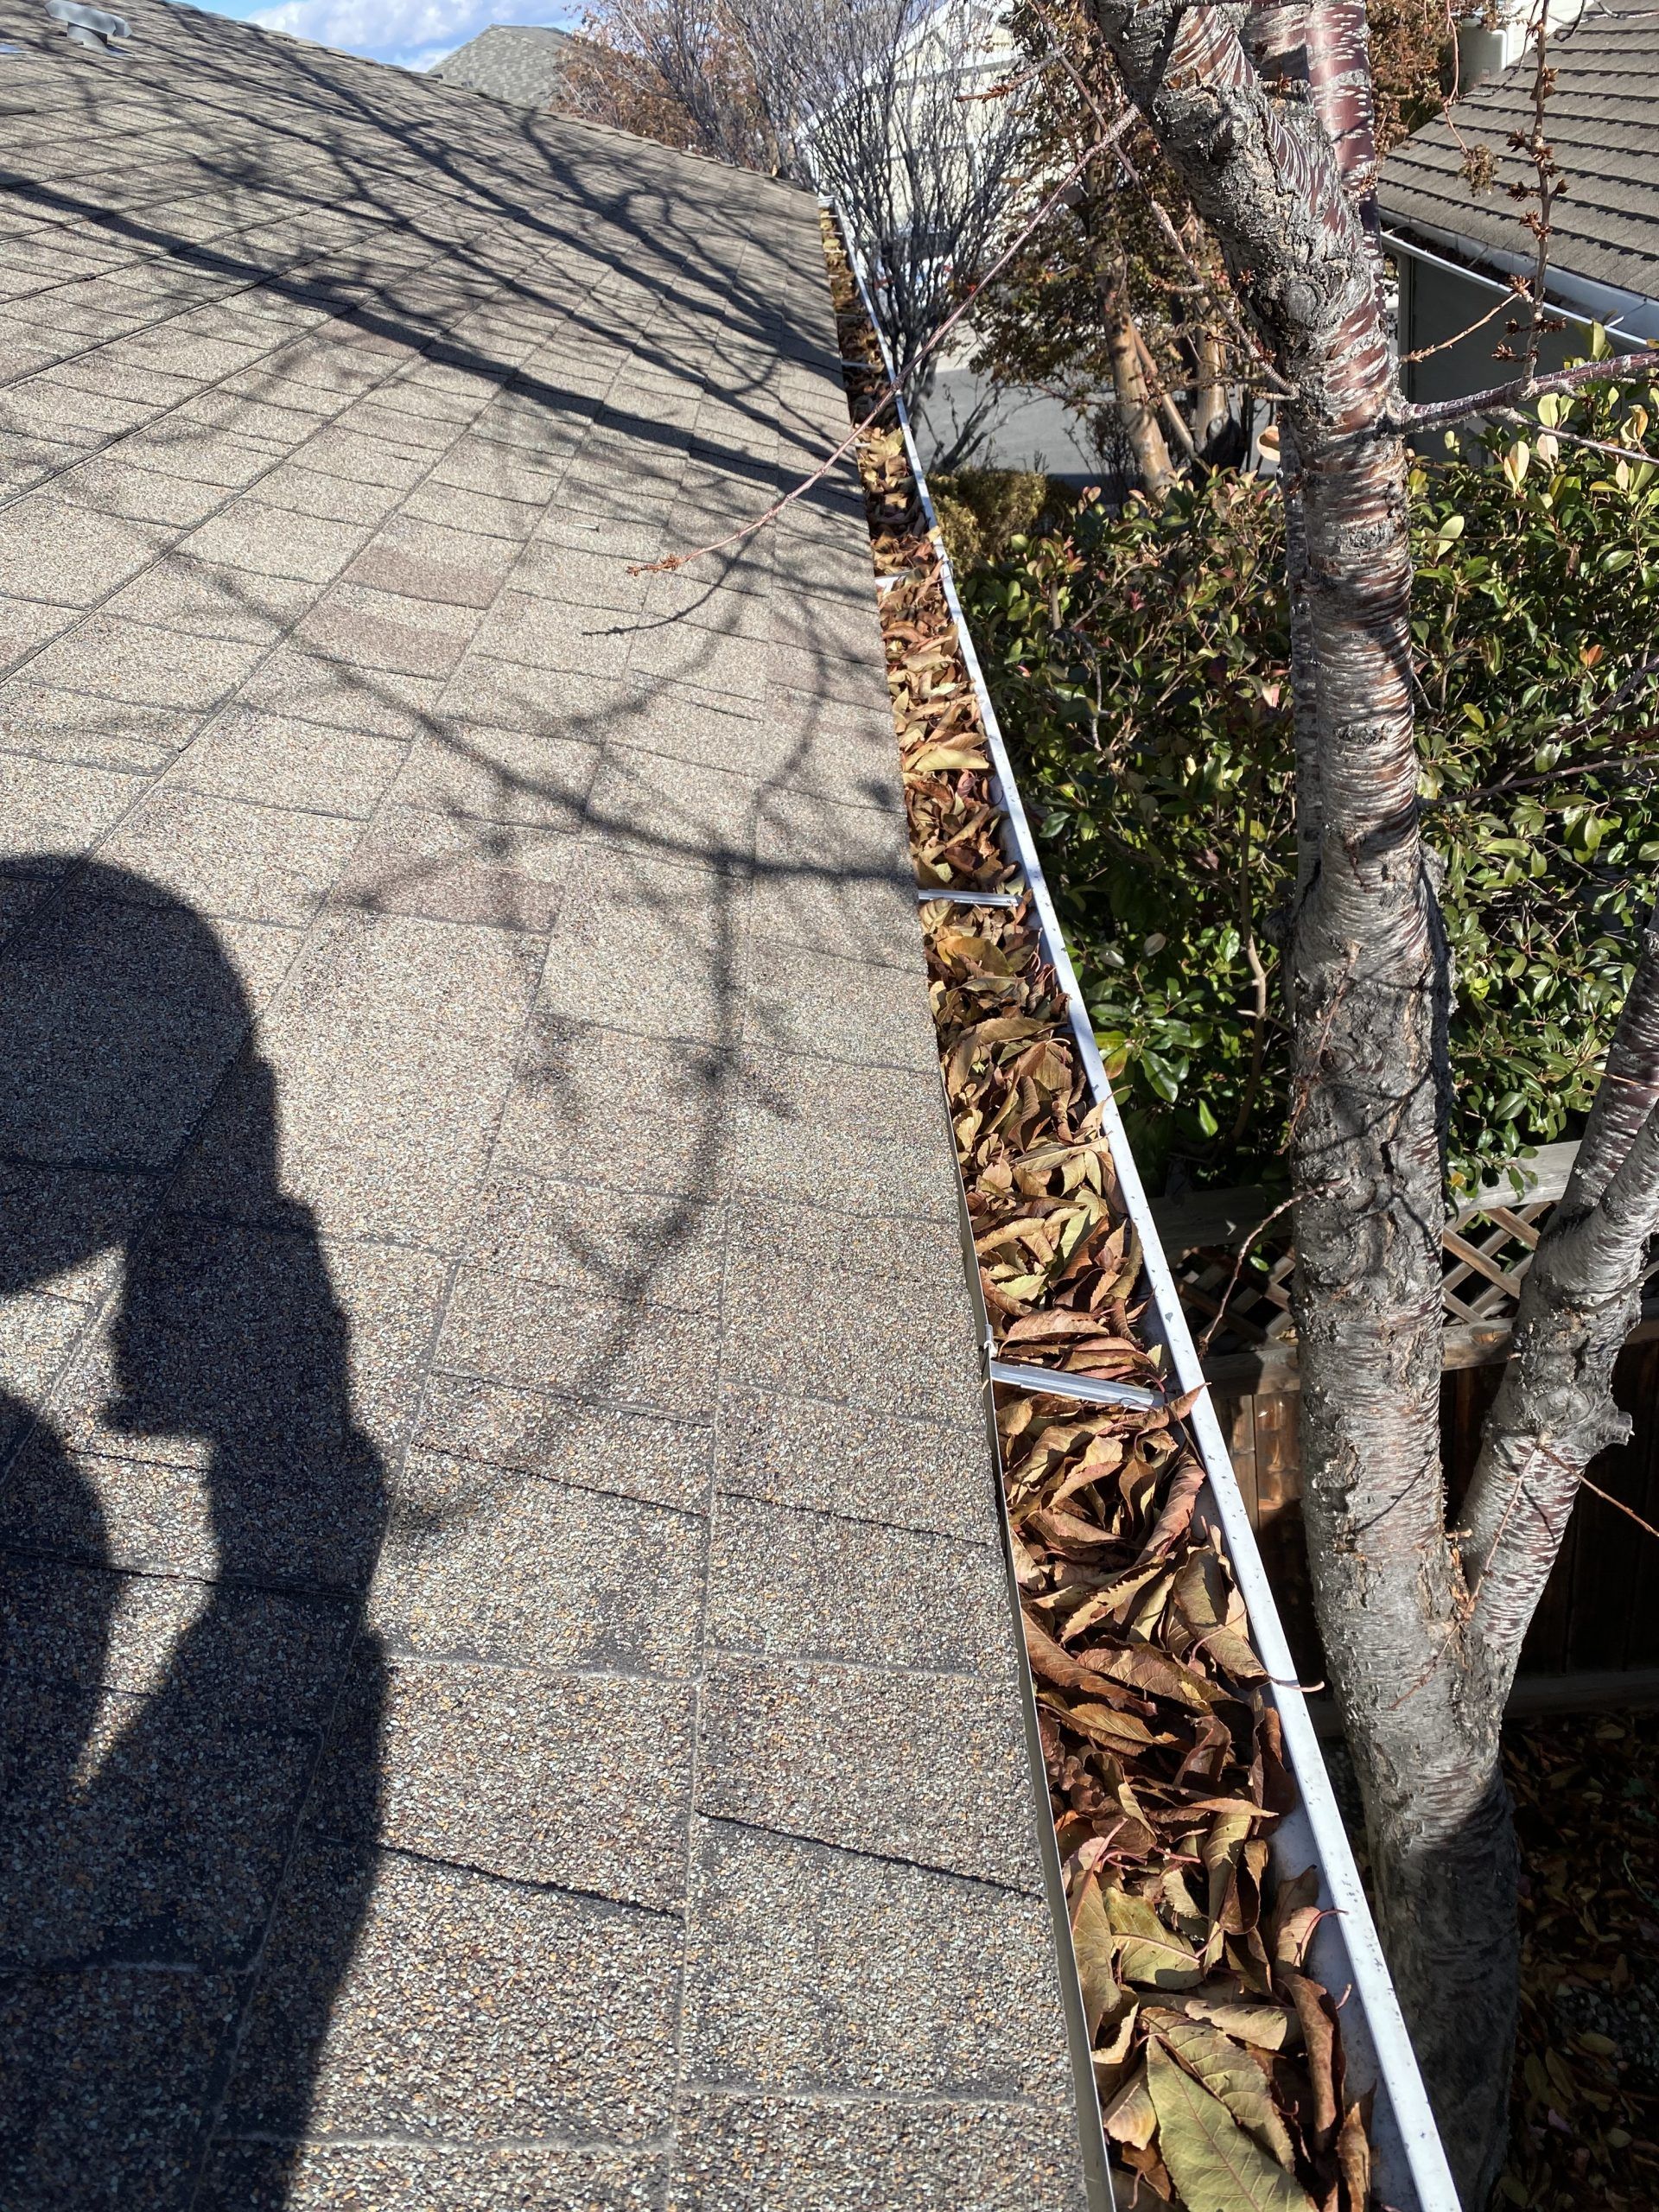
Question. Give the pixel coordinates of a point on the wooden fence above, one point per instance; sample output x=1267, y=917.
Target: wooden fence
x=1597, y=1632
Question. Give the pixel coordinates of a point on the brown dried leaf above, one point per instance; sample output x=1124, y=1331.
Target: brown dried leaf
x=1270, y=2027
x=1295, y=1916
x=1196, y=1600
x=1149, y=1955
x=1317, y=2017
x=1096, y=1947
x=1215, y=2165
x=1130, y=2117
x=1354, y=2160
x=1175, y=1515
x=1228, y=2072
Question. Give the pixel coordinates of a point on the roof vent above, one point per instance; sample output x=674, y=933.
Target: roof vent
x=90, y=26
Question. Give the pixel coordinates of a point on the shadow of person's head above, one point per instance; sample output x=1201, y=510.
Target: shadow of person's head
x=139, y=1154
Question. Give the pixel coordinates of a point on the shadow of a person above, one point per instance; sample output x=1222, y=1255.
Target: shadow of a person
x=186, y=1534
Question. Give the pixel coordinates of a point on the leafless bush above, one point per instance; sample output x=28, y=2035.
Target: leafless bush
x=902, y=112
x=675, y=71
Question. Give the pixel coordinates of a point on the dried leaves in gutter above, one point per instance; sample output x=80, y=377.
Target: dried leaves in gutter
x=953, y=817
x=1057, y=1257
x=898, y=526
x=1217, y=2056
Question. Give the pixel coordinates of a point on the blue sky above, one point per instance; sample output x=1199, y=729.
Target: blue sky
x=416, y=33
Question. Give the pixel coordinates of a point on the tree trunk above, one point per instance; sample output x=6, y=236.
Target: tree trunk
x=1136, y=410
x=1437, y=1809
x=1421, y=1659
x=1580, y=1299
x=1210, y=389
x=1370, y=987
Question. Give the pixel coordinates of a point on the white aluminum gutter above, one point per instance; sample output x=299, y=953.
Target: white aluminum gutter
x=1629, y=318
x=1410, y=2169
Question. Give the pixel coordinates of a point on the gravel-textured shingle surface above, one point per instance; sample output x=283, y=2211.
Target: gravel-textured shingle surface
x=509, y=1694
x=523, y=64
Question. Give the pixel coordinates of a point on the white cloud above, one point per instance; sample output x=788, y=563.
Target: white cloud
x=414, y=33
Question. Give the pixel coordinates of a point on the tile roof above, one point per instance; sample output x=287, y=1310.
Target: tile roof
x=511, y=1694
x=1603, y=120
x=521, y=63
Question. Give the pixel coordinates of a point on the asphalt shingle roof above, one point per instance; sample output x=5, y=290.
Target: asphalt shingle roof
x=1603, y=120
x=510, y=1692
x=521, y=63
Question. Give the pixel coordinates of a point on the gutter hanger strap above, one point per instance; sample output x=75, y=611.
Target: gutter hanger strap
x=1088, y=1390
x=969, y=898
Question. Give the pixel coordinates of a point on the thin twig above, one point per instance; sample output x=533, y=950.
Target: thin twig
x=1539, y=1451
x=1578, y=438
x=1266, y=1222
x=1607, y=1499
x=1426, y=352
x=1565, y=735
x=1000, y=91
x=1632, y=683
x=1159, y=391
x=1546, y=169
x=1596, y=766
x=1259, y=977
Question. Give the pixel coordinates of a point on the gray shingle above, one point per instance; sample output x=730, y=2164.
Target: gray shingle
x=1603, y=122
x=524, y=65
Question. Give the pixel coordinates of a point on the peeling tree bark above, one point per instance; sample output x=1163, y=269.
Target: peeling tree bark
x=1277, y=39
x=1336, y=63
x=1304, y=673
x=1326, y=48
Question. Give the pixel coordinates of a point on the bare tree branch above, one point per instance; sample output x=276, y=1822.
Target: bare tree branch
x=871, y=93
x=1441, y=414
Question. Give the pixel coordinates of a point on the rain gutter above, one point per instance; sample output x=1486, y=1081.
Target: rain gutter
x=1621, y=314
x=1410, y=2169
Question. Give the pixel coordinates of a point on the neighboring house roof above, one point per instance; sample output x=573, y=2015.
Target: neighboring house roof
x=475, y=987
x=524, y=64
x=1602, y=118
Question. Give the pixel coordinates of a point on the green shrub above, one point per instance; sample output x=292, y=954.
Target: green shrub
x=982, y=510
x=1139, y=664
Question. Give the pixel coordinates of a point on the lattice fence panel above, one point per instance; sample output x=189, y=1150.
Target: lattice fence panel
x=1242, y=1307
